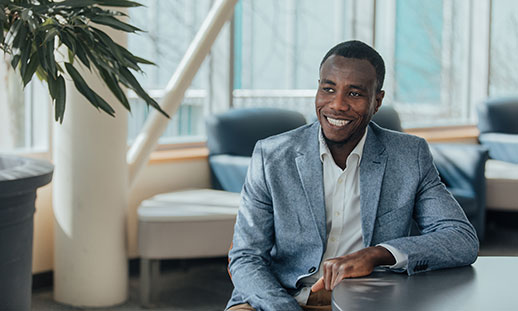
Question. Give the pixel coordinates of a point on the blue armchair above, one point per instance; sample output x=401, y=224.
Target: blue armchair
x=231, y=137
x=461, y=168
x=498, y=126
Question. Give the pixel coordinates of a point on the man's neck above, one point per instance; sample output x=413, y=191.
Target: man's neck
x=341, y=151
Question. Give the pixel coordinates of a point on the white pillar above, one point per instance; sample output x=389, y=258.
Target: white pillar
x=90, y=200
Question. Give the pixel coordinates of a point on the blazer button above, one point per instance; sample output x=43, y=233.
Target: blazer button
x=313, y=269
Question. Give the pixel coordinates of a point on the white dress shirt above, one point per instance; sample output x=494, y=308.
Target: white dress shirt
x=343, y=217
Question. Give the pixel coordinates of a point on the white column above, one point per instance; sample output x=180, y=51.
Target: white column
x=220, y=76
x=90, y=199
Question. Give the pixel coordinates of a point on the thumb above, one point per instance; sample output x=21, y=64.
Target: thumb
x=318, y=286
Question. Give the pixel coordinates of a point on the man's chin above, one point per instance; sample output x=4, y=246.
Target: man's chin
x=333, y=142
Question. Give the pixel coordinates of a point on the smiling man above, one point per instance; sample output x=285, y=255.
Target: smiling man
x=337, y=198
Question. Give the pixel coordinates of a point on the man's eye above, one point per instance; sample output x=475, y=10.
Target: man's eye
x=328, y=90
x=355, y=94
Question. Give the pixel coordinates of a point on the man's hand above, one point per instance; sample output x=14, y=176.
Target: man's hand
x=360, y=263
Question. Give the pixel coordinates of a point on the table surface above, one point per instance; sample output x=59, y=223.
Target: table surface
x=491, y=283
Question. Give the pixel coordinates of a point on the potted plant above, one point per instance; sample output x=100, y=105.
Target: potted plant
x=33, y=32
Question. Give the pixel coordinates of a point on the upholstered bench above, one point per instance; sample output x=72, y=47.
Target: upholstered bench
x=502, y=185
x=184, y=224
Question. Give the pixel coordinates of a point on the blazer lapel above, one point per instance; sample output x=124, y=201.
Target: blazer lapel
x=372, y=169
x=309, y=168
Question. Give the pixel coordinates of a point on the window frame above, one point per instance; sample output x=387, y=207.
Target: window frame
x=375, y=25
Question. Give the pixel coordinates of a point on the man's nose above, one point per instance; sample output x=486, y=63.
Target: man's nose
x=339, y=102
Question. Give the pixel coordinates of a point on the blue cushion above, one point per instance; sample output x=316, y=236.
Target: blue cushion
x=503, y=147
x=229, y=172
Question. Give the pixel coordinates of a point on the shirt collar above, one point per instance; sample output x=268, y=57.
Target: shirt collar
x=324, y=149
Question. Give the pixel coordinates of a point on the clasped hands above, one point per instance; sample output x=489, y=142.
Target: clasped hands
x=357, y=264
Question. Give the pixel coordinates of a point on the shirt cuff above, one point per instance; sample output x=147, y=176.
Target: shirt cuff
x=303, y=296
x=401, y=259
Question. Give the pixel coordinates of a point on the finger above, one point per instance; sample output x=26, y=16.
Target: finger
x=318, y=286
x=336, y=275
x=328, y=275
x=338, y=278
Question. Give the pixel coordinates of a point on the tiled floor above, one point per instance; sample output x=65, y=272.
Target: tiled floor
x=188, y=285
x=204, y=285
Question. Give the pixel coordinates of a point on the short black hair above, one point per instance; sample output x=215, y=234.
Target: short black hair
x=359, y=50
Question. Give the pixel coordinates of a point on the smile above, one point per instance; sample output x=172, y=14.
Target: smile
x=337, y=122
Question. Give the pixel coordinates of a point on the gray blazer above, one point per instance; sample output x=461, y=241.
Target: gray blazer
x=280, y=232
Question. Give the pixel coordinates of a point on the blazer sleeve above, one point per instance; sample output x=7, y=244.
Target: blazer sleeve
x=249, y=256
x=447, y=238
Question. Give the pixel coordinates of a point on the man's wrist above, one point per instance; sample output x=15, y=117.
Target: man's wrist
x=382, y=256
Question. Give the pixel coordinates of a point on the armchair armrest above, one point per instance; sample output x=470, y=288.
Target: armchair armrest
x=228, y=171
x=503, y=147
x=462, y=169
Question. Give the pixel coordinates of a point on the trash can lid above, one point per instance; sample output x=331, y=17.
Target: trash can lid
x=20, y=174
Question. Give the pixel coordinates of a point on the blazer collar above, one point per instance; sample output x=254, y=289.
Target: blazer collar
x=309, y=168
x=372, y=169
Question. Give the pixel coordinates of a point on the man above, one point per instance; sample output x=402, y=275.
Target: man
x=336, y=198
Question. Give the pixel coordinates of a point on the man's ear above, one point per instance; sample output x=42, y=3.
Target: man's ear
x=379, y=99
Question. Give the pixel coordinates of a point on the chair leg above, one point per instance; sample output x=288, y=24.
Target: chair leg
x=149, y=273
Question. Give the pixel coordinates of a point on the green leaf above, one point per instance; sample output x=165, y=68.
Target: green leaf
x=71, y=56
x=114, y=87
x=87, y=92
x=48, y=50
x=60, y=98
x=72, y=42
x=73, y=3
x=49, y=21
x=132, y=82
x=51, y=34
x=114, y=23
x=41, y=74
x=3, y=19
x=20, y=34
x=57, y=91
x=66, y=40
x=119, y=3
x=31, y=68
x=104, y=38
x=28, y=17
x=24, y=59
x=143, y=61
x=15, y=60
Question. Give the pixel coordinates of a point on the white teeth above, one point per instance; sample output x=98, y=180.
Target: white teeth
x=337, y=122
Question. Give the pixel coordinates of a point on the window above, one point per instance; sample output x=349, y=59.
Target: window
x=278, y=48
x=425, y=46
x=170, y=27
x=274, y=62
x=442, y=57
x=24, y=122
x=503, y=70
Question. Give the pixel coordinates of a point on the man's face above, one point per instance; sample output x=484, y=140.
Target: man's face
x=346, y=98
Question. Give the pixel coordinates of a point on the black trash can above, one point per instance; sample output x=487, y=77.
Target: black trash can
x=19, y=180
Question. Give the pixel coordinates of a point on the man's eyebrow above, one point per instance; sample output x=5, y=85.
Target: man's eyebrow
x=327, y=81
x=358, y=87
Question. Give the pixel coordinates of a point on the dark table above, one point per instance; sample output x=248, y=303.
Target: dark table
x=491, y=283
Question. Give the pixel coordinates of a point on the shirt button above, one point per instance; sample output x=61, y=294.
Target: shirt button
x=313, y=269
x=340, y=180
x=332, y=239
x=337, y=213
